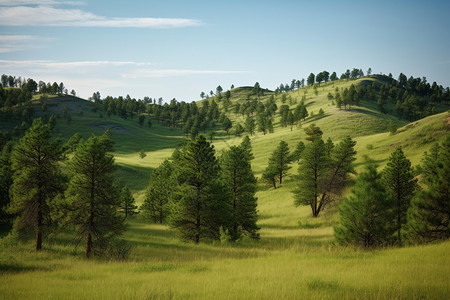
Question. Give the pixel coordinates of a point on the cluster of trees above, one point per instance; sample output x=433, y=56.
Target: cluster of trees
x=205, y=197
x=410, y=99
x=323, y=76
x=323, y=168
x=391, y=207
x=32, y=86
x=39, y=197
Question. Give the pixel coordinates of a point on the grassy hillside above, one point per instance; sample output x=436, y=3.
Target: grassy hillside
x=296, y=256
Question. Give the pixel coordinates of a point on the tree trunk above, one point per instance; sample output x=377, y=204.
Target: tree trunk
x=88, y=245
x=39, y=232
x=39, y=240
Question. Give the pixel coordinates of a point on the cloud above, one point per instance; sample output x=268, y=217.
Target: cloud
x=112, y=77
x=39, y=2
x=14, y=43
x=48, y=15
x=149, y=73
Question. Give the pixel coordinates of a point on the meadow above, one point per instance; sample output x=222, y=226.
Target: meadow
x=296, y=257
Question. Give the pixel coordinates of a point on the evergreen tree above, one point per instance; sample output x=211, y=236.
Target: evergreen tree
x=401, y=185
x=428, y=218
x=280, y=160
x=37, y=179
x=127, y=202
x=159, y=192
x=269, y=176
x=200, y=208
x=92, y=200
x=313, y=166
x=366, y=214
x=296, y=154
x=6, y=181
x=240, y=185
x=250, y=125
x=322, y=174
x=247, y=146
x=313, y=132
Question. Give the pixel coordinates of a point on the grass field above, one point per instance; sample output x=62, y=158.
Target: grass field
x=296, y=257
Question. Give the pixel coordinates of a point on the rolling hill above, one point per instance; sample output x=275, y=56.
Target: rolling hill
x=296, y=256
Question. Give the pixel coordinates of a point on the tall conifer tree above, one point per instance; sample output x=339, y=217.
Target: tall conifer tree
x=37, y=179
x=92, y=200
x=240, y=185
x=428, y=218
x=200, y=207
x=366, y=214
x=401, y=185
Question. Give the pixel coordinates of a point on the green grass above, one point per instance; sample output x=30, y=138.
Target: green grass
x=296, y=257
x=287, y=263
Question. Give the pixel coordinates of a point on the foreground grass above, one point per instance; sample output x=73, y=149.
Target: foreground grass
x=286, y=263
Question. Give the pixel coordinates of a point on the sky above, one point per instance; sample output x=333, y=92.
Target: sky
x=180, y=48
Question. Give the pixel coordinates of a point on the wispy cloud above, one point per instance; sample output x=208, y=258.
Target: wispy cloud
x=14, y=43
x=109, y=77
x=39, y=2
x=49, y=15
x=148, y=73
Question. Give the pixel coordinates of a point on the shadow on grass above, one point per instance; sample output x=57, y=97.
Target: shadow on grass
x=134, y=177
x=13, y=268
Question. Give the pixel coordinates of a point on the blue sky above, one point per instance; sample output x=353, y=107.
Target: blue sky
x=177, y=49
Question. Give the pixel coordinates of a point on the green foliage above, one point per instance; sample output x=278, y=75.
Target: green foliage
x=323, y=171
x=91, y=200
x=314, y=165
x=428, y=218
x=365, y=216
x=200, y=205
x=127, y=203
x=246, y=145
x=6, y=181
x=240, y=187
x=142, y=154
x=37, y=179
x=313, y=132
x=279, y=161
x=296, y=154
x=159, y=193
x=401, y=186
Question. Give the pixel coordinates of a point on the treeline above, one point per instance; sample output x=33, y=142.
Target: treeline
x=40, y=198
x=204, y=197
x=323, y=76
x=411, y=99
x=324, y=168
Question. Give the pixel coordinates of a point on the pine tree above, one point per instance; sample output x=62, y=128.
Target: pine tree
x=428, y=218
x=92, y=200
x=280, y=160
x=247, y=146
x=296, y=154
x=6, y=181
x=200, y=207
x=159, y=192
x=37, y=179
x=240, y=185
x=401, y=185
x=127, y=202
x=322, y=175
x=313, y=166
x=269, y=176
x=366, y=214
